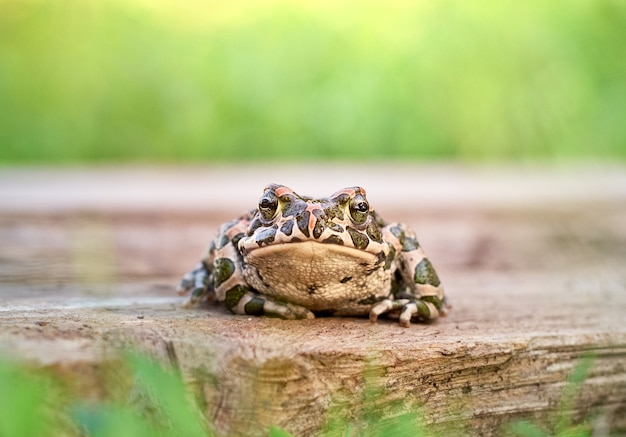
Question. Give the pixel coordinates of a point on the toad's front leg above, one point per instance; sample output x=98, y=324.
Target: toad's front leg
x=232, y=289
x=241, y=299
x=220, y=276
x=418, y=293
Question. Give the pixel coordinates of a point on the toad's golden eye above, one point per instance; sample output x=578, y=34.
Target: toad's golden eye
x=359, y=209
x=268, y=205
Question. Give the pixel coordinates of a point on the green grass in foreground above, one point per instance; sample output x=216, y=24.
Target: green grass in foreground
x=162, y=81
x=148, y=400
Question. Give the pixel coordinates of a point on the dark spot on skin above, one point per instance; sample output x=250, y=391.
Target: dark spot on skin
x=266, y=236
x=223, y=241
x=425, y=274
x=434, y=300
x=302, y=220
x=423, y=313
x=286, y=203
x=335, y=227
x=291, y=206
x=333, y=239
x=409, y=244
x=287, y=227
x=390, y=257
x=236, y=239
x=346, y=279
x=374, y=233
x=312, y=289
x=467, y=389
x=254, y=307
x=254, y=225
x=359, y=240
x=224, y=269
x=396, y=231
x=334, y=211
x=319, y=223
x=234, y=295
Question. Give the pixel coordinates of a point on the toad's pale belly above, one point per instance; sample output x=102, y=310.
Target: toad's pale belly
x=319, y=276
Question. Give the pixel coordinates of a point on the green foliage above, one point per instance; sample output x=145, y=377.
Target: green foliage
x=159, y=406
x=209, y=81
x=278, y=432
x=113, y=421
x=27, y=402
x=564, y=426
x=371, y=418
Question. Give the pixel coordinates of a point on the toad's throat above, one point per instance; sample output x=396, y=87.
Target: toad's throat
x=314, y=274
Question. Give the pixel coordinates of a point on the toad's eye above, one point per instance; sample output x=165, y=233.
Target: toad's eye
x=268, y=205
x=359, y=209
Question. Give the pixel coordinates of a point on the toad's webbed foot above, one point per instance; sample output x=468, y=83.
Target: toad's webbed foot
x=425, y=309
x=198, y=283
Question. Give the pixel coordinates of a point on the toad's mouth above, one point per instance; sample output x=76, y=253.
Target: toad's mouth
x=310, y=251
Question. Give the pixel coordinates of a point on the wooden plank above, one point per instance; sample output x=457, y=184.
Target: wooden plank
x=533, y=288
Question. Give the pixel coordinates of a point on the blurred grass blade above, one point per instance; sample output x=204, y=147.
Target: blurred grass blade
x=22, y=398
x=32, y=402
x=523, y=428
x=113, y=422
x=278, y=432
x=166, y=391
x=571, y=392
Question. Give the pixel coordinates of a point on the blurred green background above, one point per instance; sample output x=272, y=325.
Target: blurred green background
x=205, y=81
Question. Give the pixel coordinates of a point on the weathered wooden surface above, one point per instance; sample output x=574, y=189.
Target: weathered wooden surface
x=533, y=263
